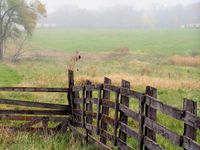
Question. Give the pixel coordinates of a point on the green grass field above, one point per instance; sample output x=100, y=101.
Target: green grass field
x=157, y=41
x=166, y=59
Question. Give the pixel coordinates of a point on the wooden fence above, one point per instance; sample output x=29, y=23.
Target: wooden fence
x=100, y=114
x=29, y=117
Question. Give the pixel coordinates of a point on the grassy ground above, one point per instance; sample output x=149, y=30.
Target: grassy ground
x=166, y=59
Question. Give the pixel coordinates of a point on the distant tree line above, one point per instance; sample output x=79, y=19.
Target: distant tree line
x=126, y=17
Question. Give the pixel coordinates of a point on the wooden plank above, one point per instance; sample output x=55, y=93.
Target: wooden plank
x=89, y=108
x=122, y=145
x=76, y=132
x=141, y=122
x=30, y=123
x=32, y=89
x=155, y=127
x=110, y=87
x=150, y=144
x=107, y=119
x=190, y=144
x=123, y=117
x=106, y=135
x=108, y=103
x=36, y=112
x=98, y=144
x=166, y=109
x=126, y=129
x=30, y=118
x=83, y=107
x=190, y=106
x=77, y=88
x=98, y=109
x=116, y=117
x=78, y=111
x=34, y=104
x=92, y=100
x=28, y=129
x=87, y=113
x=150, y=112
x=91, y=114
x=90, y=127
x=93, y=87
x=78, y=100
x=192, y=120
x=129, y=113
x=131, y=93
x=73, y=95
x=105, y=110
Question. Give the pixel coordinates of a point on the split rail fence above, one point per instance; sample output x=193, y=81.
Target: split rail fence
x=100, y=114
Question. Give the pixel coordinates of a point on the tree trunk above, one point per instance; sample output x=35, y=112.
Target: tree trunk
x=1, y=49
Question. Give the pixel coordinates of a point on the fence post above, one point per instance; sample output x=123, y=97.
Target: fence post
x=72, y=95
x=89, y=108
x=99, y=108
x=70, y=85
x=150, y=113
x=123, y=118
x=116, y=116
x=141, y=122
x=105, y=110
x=190, y=106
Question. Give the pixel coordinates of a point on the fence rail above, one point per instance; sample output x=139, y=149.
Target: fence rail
x=103, y=111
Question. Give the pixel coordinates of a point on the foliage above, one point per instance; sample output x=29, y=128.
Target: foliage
x=17, y=16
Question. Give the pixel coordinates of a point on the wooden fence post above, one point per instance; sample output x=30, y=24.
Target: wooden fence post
x=89, y=119
x=190, y=106
x=116, y=117
x=105, y=110
x=99, y=108
x=123, y=118
x=141, y=122
x=70, y=85
x=72, y=95
x=150, y=113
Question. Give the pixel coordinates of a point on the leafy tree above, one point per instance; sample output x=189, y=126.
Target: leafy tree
x=17, y=17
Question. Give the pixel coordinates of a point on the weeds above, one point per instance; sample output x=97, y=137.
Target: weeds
x=185, y=60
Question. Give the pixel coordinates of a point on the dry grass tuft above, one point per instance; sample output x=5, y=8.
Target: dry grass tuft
x=185, y=60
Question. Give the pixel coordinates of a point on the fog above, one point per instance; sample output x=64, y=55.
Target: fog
x=121, y=14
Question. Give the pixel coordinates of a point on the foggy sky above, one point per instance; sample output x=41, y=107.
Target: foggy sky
x=53, y=5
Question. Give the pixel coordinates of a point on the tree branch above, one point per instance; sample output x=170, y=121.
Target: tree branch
x=7, y=11
x=4, y=32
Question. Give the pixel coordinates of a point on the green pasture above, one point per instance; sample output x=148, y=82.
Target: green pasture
x=157, y=41
x=130, y=54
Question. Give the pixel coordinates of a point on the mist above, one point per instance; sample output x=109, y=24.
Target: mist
x=123, y=16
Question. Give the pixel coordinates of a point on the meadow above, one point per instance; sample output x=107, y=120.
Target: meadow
x=166, y=59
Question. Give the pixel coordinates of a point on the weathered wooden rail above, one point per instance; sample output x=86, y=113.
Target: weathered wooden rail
x=103, y=110
x=100, y=113
x=47, y=112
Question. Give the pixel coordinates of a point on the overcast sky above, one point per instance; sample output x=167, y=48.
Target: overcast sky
x=52, y=5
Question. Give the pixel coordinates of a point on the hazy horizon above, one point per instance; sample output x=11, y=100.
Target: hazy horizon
x=100, y=5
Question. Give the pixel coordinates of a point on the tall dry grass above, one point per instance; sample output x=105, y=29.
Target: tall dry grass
x=185, y=60
x=142, y=81
x=136, y=81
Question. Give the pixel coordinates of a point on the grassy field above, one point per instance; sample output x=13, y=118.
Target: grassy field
x=166, y=59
